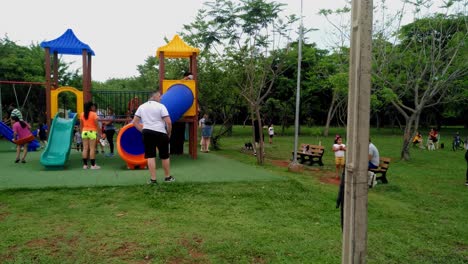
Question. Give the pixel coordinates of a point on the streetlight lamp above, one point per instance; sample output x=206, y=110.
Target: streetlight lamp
x=295, y=166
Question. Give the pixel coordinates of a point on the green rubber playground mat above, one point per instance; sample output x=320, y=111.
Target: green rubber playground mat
x=209, y=167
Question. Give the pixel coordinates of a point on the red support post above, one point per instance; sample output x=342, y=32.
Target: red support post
x=48, y=85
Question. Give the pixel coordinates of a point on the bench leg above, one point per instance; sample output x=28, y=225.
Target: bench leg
x=383, y=177
x=320, y=161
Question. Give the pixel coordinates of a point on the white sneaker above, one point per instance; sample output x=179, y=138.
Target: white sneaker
x=95, y=167
x=85, y=167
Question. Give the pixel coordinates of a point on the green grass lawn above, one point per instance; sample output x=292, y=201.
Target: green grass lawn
x=421, y=216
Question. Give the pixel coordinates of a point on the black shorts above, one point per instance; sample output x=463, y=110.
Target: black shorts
x=152, y=140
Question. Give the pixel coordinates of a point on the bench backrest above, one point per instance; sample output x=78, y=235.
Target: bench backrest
x=384, y=162
x=312, y=149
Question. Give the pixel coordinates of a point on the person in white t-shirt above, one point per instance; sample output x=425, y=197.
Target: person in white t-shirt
x=374, y=156
x=339, y=148
x=153, y=121
x=271, y=133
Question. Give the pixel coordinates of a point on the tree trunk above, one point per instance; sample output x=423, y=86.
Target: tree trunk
x=416, y=121
x=408, y=132
x=329, y=116
x=260, y=149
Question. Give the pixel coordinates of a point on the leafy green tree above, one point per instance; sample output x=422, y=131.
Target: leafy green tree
x=248, y=34
x=22, y=64
x=422, y=70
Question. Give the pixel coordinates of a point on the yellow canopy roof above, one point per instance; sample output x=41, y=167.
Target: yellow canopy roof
x=177, y=48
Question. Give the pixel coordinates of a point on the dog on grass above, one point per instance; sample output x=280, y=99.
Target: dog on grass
x=248, y=146
x=430, y=145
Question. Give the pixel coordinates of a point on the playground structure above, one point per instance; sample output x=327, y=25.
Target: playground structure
x=179, y=96
x=181, y=100
x=61, y=130
x=172, y=89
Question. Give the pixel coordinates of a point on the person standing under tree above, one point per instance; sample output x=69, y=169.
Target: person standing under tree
x=153, y=121
x=271, y=133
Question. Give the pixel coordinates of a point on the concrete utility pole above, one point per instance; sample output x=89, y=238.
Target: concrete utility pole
x=355, y=197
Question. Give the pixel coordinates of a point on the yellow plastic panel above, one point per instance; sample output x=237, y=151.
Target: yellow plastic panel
x=54, y=99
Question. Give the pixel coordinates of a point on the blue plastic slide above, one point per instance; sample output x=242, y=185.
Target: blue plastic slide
x=7, y=133
x=59, y=145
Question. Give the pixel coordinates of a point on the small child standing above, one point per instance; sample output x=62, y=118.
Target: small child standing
x=78, y=140
x=339, y=148
x=42, y=134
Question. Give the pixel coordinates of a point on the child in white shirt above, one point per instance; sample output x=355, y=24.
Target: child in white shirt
x=339, y=148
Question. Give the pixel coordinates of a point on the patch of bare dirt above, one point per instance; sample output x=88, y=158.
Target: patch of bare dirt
x=327, y=177
x=192, y=245
x=333, y=180
x=125, y=249
x=280, y=163
x=3, y=215
x=259, y=260
x=54, y=244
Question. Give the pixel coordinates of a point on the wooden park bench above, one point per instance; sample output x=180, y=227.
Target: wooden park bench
x=382, y=169
x=311, y=153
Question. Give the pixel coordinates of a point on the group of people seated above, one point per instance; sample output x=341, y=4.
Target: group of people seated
x=432, y=140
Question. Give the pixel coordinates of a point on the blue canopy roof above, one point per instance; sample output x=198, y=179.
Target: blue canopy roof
x=68, y=43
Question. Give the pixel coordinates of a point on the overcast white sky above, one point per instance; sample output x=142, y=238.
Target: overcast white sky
x=124, y=33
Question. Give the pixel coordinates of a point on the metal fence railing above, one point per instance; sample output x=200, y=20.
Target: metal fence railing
x=123, y=103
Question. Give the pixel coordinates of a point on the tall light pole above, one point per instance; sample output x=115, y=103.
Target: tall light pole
x=294, y=166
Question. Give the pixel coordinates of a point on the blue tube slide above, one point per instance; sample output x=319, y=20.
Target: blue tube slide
x=178, y=99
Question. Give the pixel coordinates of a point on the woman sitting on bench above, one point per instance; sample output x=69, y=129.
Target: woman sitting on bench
x=374, y=157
